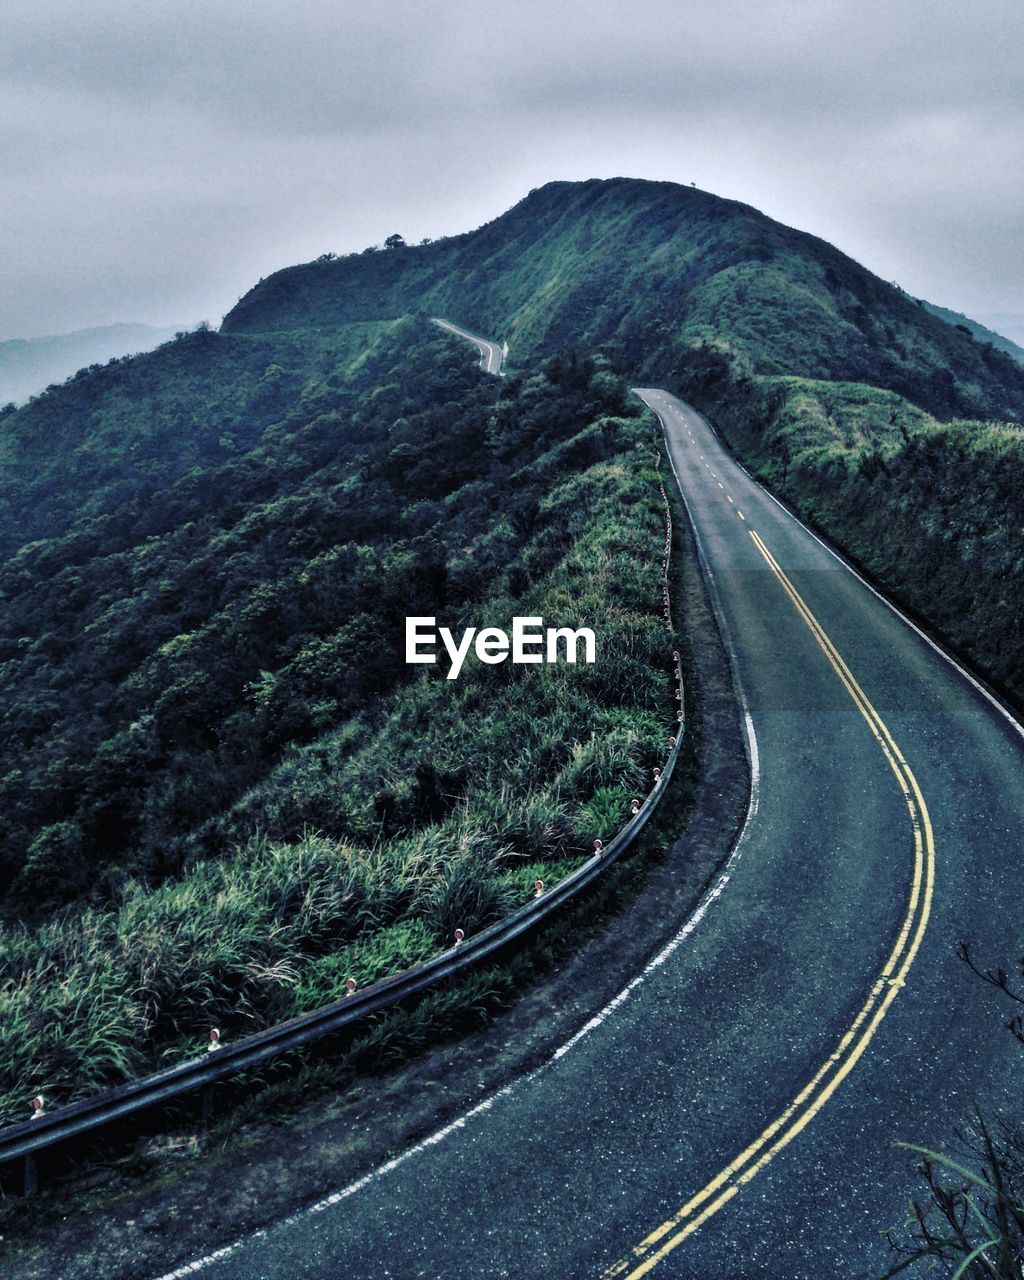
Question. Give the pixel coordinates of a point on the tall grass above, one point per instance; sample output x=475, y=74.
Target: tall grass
x=439, y=815
x=930, y=508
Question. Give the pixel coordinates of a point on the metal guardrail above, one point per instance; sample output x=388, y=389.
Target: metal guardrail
x=71, y=1121
x=77, y=1118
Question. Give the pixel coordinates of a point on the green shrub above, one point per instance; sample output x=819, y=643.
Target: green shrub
x=368, y=820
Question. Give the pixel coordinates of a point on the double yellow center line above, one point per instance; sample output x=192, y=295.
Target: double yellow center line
x=830, y=1075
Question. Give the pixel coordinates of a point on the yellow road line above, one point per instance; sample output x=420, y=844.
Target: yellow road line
x=851, y=1046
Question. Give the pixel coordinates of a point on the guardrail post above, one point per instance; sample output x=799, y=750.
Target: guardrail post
x=30, y=1170
x=207, y=1094
x=186, y=1077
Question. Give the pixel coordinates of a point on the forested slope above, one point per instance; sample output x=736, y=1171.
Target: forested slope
x=111, y=439
x=654, y=271
x=209, y=734
x=833, y=384
x=225, y=790
x=231, y=528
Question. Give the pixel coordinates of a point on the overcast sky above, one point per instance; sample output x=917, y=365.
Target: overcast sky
x=158, y=159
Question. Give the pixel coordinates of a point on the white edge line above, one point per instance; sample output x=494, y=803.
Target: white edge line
x=708, y=898
x=720, y=615
x=490, y=352
x=932, y=643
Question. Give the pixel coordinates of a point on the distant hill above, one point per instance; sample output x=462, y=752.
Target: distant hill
x=202, y=638
x=704, y=295
x=1011, y=325
x=29, y=365
x=657, y=272
x=980, y=331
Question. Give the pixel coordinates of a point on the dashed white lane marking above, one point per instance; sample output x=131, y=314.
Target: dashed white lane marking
x=705, y=904
x=932, y=644
x=703, y=907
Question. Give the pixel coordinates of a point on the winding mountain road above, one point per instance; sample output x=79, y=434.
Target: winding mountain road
x=491, y=355
x=733, y=1114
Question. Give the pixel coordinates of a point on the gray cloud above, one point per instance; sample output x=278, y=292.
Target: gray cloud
x=156, y=161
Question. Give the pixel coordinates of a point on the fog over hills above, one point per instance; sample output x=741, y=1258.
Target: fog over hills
x=983, y=332
x=29, y=365
x=1011, y=326
x=658, y=272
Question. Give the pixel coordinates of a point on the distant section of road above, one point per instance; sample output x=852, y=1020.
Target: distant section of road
x=732, y=1113
x=491, y=355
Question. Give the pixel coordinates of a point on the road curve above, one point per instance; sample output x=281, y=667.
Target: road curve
x=491, y=355
x=733, y=1114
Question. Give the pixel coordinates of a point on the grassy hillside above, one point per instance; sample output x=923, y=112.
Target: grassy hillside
x=984, y=335
x=656, y=271
x=225, y=526
x=224, y=790
x=215, y=760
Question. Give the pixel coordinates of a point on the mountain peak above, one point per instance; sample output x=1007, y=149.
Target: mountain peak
x=656, y=271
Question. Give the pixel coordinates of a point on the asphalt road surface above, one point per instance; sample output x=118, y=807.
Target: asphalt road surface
x=491, y=355
x=733, y=1115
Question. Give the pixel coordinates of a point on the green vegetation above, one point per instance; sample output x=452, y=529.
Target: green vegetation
x=969, y=1224
x=930, y=508
x=217, y=763
x=113, y=438
x=886, y=421
x=27, y=365
x=224, y=791
x=979, y=331
x=656, y=273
